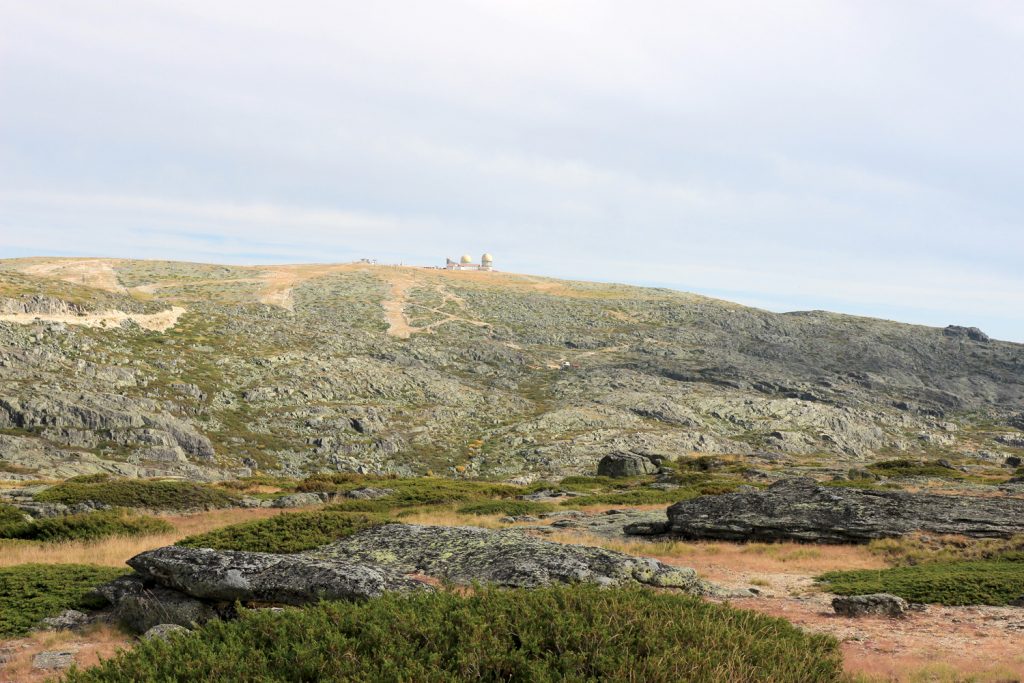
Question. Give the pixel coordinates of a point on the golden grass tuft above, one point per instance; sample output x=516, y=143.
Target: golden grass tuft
x=114, y=551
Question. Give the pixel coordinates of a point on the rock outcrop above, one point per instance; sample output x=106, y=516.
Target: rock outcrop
x=227, y=575
x=625, y=465
x=139, y=607
x=510, y=557
x=188, y=586
x=800, y=509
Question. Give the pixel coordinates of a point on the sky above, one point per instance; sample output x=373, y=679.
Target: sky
x=861, y=156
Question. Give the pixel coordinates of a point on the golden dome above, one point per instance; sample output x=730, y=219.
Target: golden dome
x=486, y=258
x=466, y=258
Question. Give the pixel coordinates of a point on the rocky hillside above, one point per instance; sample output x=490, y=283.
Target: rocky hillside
x=152, y=368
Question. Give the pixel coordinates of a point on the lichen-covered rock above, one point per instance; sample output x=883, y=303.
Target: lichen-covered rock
x=165, y=632
x=67, y=620
x=625, y=465
x=298, y=500
x=508, y=557
x=54, y=660
x=139, y=607
x=878, y=604
x=369, y=493
x=800, y=509
x=229, y=575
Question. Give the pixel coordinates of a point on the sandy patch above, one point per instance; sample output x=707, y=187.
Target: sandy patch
x=157, y=322
x=97, y=273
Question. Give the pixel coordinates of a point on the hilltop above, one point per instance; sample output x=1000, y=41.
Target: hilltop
x=148, y=368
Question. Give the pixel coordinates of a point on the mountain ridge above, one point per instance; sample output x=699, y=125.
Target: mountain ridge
x=309, y=367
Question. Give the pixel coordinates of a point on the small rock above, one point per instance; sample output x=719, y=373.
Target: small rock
x=563, y=514
x=646, y=528
x=882, y=604
x=518, y=518
x=54, y=660
x=297, y=500
x=369, y=493
x=65, y=621
x=165, y=631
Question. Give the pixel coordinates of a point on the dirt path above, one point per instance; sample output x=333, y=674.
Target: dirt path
x=394, y=307
x=158, y=322
x=98, y=273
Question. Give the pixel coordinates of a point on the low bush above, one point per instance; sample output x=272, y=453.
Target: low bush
x=506, y=507
x=564, y=633
x=286, y=533
x=648, y=496
x=357, y=505
x=30, y=592
x=138, y=493
x=89, y=526
x=593, y=483
x=89, y=478
x=412, y=492
x=981, y=582
x=918, y=549
x=10, y=515
x=329, y=481
x=904, y=467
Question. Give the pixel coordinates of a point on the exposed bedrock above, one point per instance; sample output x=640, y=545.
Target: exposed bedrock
x=176, y=585
x=800, y=509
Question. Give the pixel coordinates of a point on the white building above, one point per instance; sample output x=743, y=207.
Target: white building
x=466, y=263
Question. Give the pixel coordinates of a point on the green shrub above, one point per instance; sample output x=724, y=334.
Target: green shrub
x=286, y=533
x=412, y=492
x=89, y=478
x=649, y=496
x=981, y=582
x=10, y=515
x=506, y=507
x=30, y=592
x=919, y=548
x=329, y=481
x=564, y=633
x=904, y=467
x=357, y=505
x=592, y=483
x=138, y=493
x=89, y=526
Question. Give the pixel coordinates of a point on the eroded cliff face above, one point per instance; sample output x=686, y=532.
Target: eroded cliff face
x=379, y=369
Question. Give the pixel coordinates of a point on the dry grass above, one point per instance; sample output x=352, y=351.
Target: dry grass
x=112, y=552
x=95, y=643
x=748, y=558
x=448, y=517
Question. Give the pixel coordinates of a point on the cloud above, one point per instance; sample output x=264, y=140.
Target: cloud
x=862, y=156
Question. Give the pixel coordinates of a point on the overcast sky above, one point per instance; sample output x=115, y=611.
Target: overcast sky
x=860, y=156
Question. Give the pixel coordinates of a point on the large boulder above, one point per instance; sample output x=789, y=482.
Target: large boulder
x=228, y=575
x=800, y=509
x=139, y=607
x=876, y=604
x=510, y=557
x=625, y=465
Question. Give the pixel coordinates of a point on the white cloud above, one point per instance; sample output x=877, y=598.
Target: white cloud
x=860, y=154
